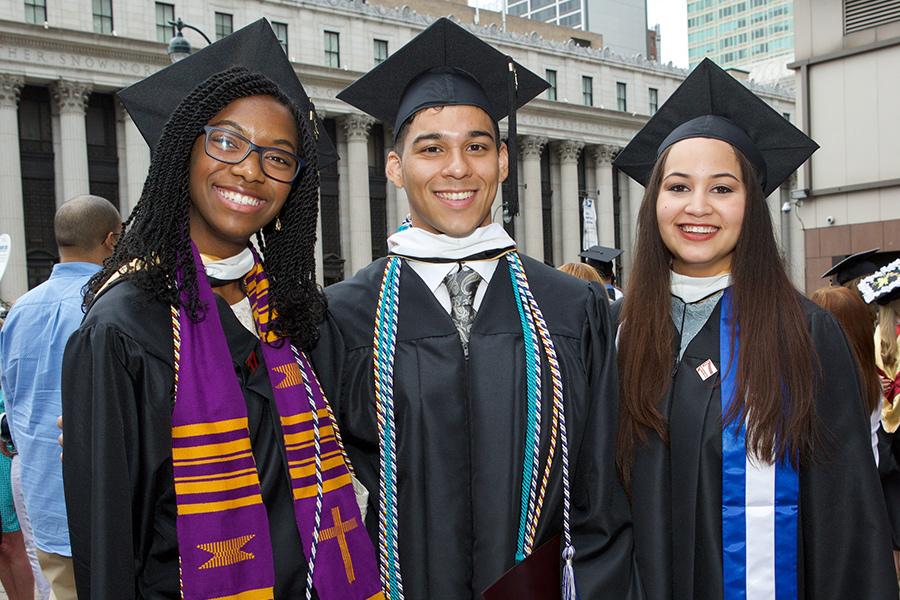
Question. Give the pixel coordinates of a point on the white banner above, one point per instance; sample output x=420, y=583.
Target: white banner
x=589, y=232
x=5, y=245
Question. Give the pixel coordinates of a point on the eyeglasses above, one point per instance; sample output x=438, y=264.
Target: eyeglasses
x=232, y=148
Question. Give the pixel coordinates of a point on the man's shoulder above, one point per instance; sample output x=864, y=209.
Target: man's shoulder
x=362, y=286
x=552, y=280
x=566, y=302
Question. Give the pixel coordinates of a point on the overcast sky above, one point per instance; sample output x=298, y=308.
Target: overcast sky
x=672, y=18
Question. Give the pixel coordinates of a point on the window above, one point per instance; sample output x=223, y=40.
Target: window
x=550, y=76
x=35, y=11
x=280, y=30
x=164, y=14
x=621, y=97
x=333, y=49
x=103, y=22
x=518, y=9
x=381, y=51
x=587, y=90
x=224, y=25
x=786, y=116
x=653, y=93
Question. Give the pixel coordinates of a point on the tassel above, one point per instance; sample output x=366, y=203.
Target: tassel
x=569, y=591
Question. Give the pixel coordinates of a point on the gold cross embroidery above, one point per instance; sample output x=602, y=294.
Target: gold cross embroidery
x=226, y=552
x=292, y=376
x=339, y=531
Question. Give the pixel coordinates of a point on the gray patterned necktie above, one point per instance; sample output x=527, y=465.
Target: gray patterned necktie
x=462, y=286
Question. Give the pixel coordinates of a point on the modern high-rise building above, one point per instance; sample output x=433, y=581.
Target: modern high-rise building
x=754, y=35
x=622, y=23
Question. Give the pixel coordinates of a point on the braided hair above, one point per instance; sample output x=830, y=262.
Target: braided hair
x=155, y=245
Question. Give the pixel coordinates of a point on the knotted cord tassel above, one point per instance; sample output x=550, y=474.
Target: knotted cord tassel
x=569, y=590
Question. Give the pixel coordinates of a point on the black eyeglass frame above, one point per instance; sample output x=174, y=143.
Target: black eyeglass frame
x=251, y=147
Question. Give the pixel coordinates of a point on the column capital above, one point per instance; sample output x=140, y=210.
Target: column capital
x=71, y=96
x=603, y=154
x=356, y=127
x=530, y=146
x=10, y=87
x=568, y=150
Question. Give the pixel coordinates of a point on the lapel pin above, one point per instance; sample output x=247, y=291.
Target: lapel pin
x=707, y=369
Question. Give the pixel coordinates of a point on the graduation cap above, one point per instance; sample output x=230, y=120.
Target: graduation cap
x=882, y=286
x=442, y=66
x=711, y=103
x=151, y=101
x=853, y=266
x=600, y=254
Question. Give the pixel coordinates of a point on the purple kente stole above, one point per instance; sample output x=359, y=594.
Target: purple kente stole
x=223, y=530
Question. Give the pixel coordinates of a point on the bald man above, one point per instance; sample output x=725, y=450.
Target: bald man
x=31, y=349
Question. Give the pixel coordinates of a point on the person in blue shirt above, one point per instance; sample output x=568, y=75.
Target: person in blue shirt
x=31, y=351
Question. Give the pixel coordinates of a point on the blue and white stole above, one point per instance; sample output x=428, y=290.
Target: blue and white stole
x=759, y=501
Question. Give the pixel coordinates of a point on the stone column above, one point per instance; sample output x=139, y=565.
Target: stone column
x=629, y=214
x=602, y=156
x=71, y=98
x=12, y=215
x=568, y=152
x=319, y=254
x=137, y=164
x=530, y=148
x=556, y=207
x=343, y=200
x=356, y=130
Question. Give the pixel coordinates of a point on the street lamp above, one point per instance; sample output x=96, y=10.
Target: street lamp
x=179, y=47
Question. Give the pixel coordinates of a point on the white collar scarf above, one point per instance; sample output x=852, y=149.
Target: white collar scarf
x=418, y=243
x=228, y=269
x=692, y=289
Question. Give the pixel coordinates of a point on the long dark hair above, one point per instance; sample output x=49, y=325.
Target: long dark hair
x=775, y=362
x=156, y=242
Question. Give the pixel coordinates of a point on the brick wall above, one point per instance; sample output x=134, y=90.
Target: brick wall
x=825, y=244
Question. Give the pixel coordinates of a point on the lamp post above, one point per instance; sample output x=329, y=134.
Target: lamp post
x=179, y=47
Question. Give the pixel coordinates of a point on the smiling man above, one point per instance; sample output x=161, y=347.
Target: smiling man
x=475, y=387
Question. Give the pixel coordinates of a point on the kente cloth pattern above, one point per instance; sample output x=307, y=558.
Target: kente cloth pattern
x=462, y=286
x=223, y=532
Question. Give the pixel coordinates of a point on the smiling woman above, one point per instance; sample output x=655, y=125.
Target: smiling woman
x=743, y=442
x=187, y=394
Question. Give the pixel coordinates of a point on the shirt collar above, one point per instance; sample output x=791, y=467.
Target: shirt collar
x=74, y=269
x=433, y=274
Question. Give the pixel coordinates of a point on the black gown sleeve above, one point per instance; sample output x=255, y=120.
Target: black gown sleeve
x=601, y=517
x=103, y=373
x=847, y=542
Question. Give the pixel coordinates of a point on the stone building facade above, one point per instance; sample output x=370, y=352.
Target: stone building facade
x=64, y=133
x=848, y=57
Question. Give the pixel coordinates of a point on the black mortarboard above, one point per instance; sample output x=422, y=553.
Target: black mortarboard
x=853, y=266
x=600, y=254
x=711, y=103
x=882, y=286
x=860, y=265
x=442, y=66
x=152, y=100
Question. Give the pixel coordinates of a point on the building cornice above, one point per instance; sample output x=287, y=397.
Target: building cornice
x=38, y=37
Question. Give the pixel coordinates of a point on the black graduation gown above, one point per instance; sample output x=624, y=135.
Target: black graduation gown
x=844, y=542
x=460, y=429
x=117, y=472
x=889, y=469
